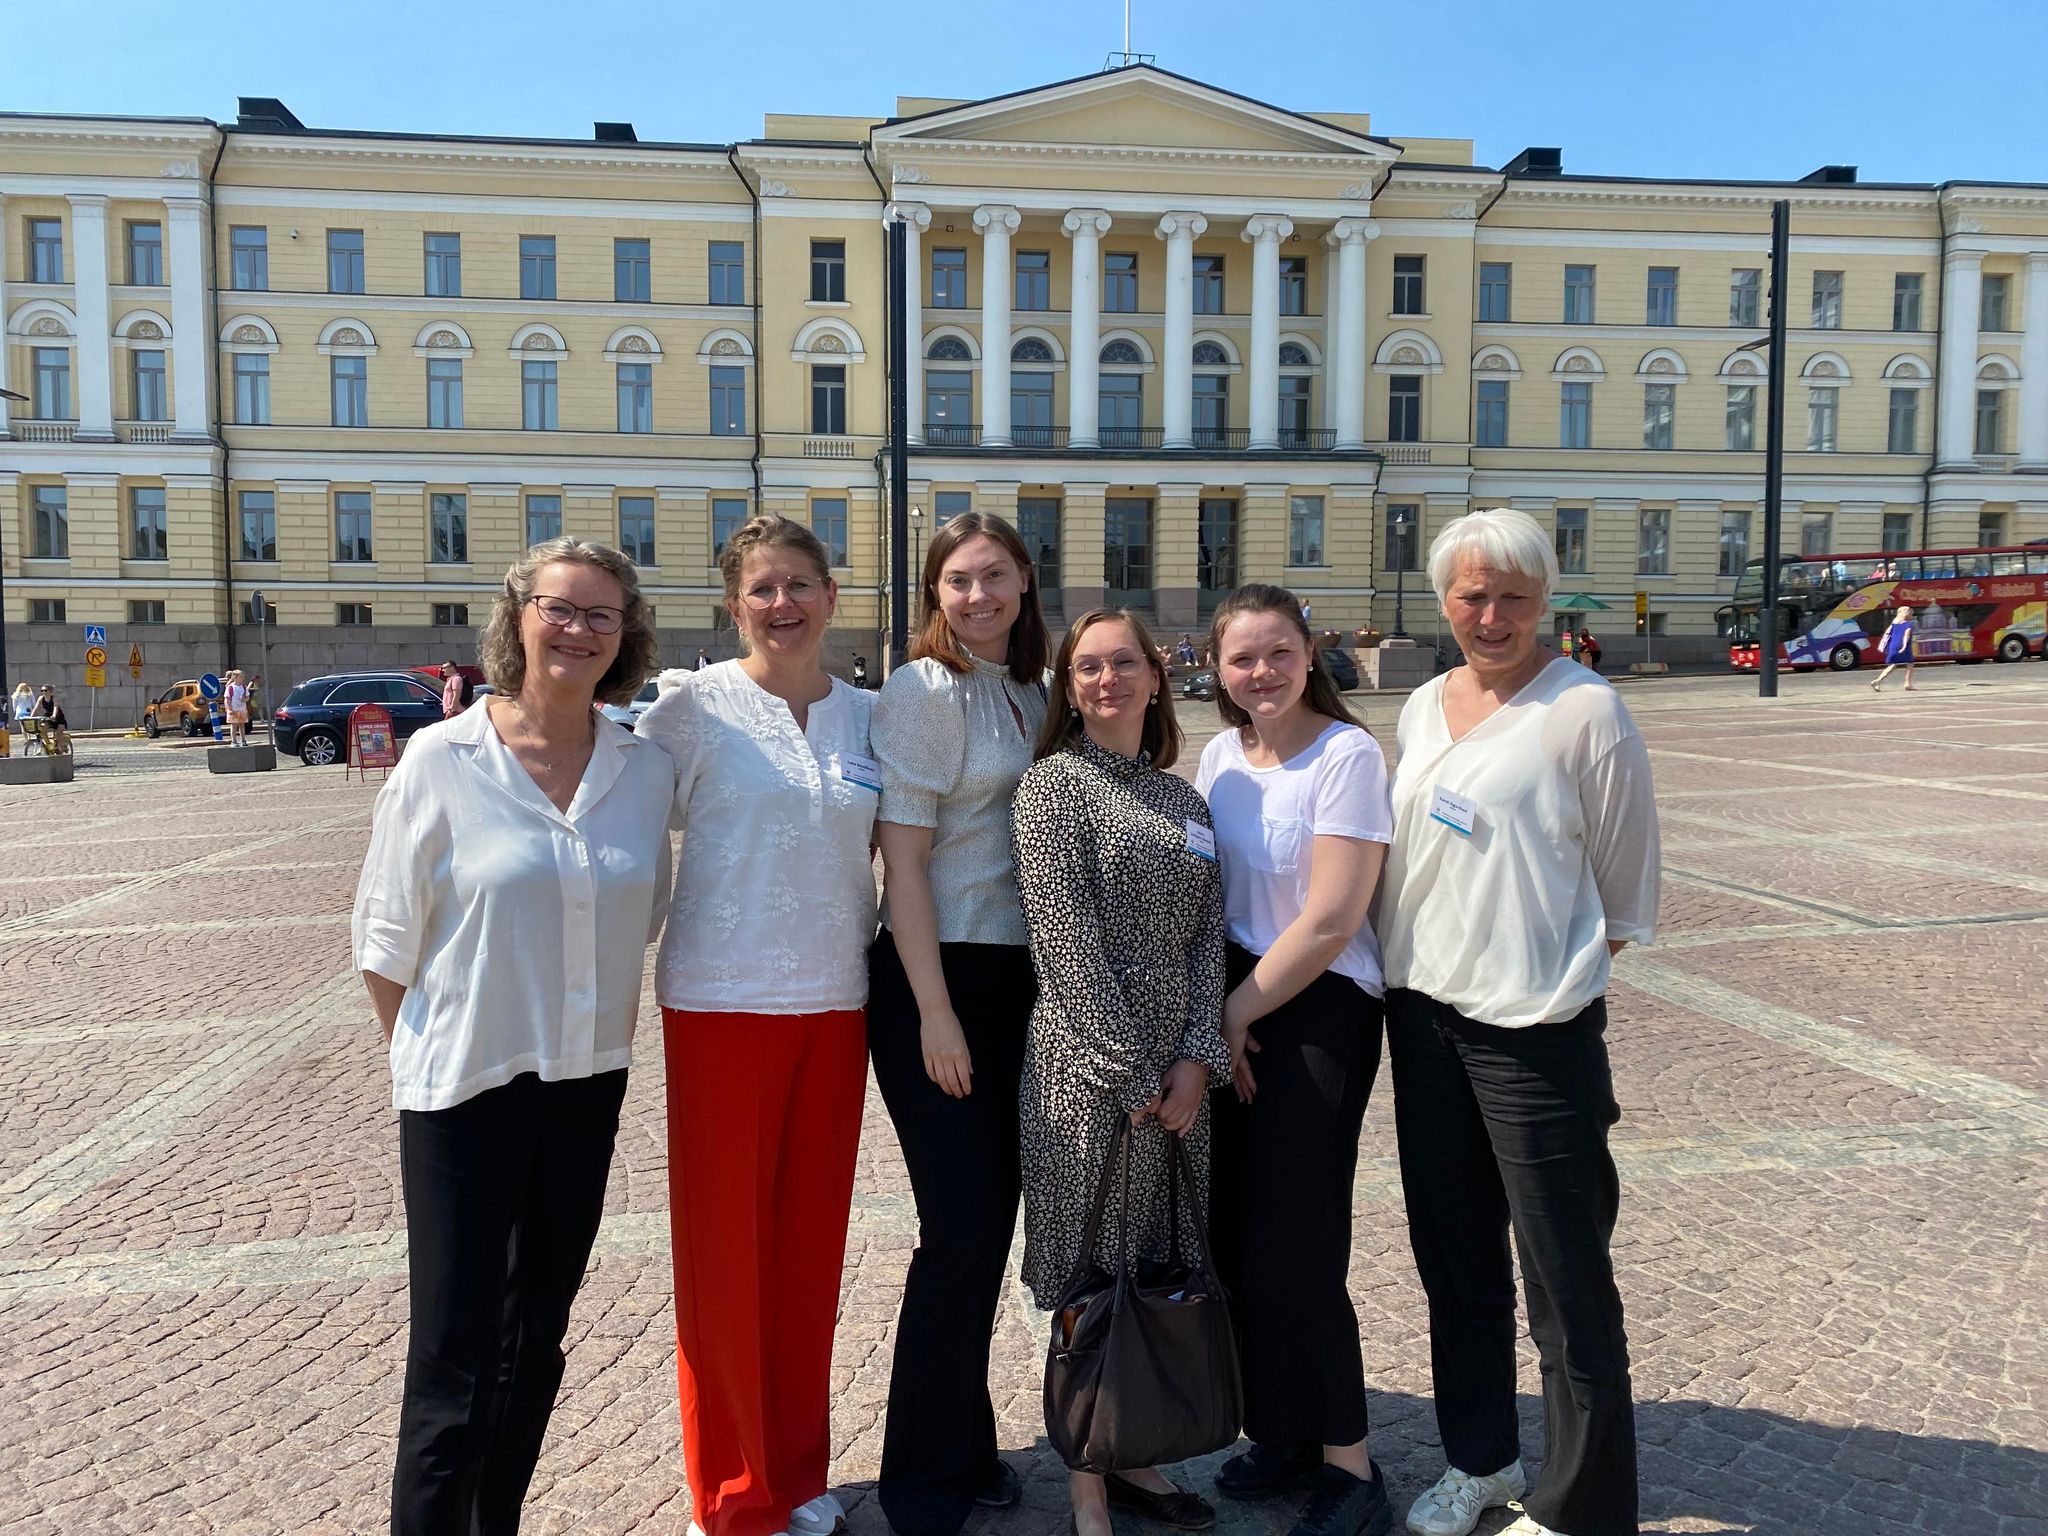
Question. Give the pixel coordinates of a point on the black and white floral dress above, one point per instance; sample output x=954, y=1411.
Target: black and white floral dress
x=1126, y=922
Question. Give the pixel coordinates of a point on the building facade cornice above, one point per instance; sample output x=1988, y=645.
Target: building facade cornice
x=312, y=151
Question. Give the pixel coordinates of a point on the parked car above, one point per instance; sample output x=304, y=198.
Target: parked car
x=180, y=707
x=629, y=714
x=313, y=719
x=1199, y=685
x=1202, y=684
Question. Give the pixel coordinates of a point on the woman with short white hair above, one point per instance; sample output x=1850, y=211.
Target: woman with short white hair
x=1525, y=855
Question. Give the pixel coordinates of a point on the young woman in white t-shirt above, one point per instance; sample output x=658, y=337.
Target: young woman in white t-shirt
x=1298, y=793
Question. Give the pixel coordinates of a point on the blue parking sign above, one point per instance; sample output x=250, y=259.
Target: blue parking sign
x=95, y=634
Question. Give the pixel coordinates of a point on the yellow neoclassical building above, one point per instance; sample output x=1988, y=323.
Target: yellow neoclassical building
x=1183, y=338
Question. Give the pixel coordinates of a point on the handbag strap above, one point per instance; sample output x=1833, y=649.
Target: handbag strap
x=1182, y=1164
x=1091, y=1233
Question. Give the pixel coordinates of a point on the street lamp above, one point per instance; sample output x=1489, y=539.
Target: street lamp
x=5, y=394
x=1403, y=520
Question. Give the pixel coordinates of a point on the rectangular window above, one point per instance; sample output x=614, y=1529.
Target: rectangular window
x=259, y=525
x=1741, y=417
x=1208, y=285
x=1898, y=532
x=1990, y=529
x=152, y=400
x=1120, y=283
x=345, y=261
x=46, y=250
x=1827, y=301
x=1297, y=410
x=1216, y=550
x=1902, y=425
x=1653, y=541
x=727, y=515
x=1404, y=537
x=146, y=611
x=1408, y=285
x=1033, y=280
x=1660, y=306
x=1038, y=524
x=1575, y=416
x=1906, y=301
x=949, y=279
x=444, y=392
x=1127, y=551
x=1490, y=414
x=636, y=397
x=351, y=388
x=828, y=522
x=149, y=532
x=1571, y=540
x=1496, y=296
x=448, y=514
x=1305, y=530
x=1745, y=296
x=444, y=266
x=1734, y=543
x=543, y=519
x=1578, y=295
x=947, y=505
x=51, y=509
x=728, y=402
x=1404, y=408
x=636, y=529
x=1660, y=405
x=1031, y=409
x=1211, y=417
x=828, y=398
x=146, y=255
x=1991, y=304
x=1816, y=532
x=728, y=272
x=539, y=397
x=252, y=389
x=46, y=610
x=828, y=271
x=633, y=271
x=52, y=366
x=536, y=266
x=1293, y=285
x=1120, y=410
x=352, y=615
x=250, y=248
x=353, y=540
x=1823, y=409
x=1990, y=421
x=451, y=615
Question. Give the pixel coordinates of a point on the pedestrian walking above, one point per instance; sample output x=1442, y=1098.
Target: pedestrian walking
x=454, y=690
x=22, y=708
x=1298, y=791
x=517, y=869
x=1589, y=649
x=1525, y=855
x=1898, y=648
x=235, y=697
x=1116, y=866
x=703, y=659
x=763, y=981
x=951, y=993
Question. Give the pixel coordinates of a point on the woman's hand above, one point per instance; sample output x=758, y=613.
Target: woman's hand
x=1181, y=1097
x=1237, y=1034
x=946, y=1058
x=1145, y=1111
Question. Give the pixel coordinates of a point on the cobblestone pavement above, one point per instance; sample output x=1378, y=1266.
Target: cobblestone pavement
x=1833, y=1243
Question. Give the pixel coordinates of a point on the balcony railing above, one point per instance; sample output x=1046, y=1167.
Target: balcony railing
x=1130, y=437
x=143, y=431
x=952, y=434
x=1037, y=437
x=1232, y=440
x=44, y=431
x=1403, y=453
x=830, y=448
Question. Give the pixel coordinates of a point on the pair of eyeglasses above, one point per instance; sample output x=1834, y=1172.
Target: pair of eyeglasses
x=561, y=613
x=798, y=589
x=1089, y=668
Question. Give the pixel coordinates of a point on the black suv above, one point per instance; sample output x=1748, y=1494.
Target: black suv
x=313, y=719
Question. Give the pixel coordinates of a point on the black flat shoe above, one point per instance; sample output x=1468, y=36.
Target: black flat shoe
x=1343, y=1505
x=1003, y=1489
x=1260, y=1471
x=1181, y=1510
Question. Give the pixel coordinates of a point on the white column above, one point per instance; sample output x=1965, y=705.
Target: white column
x=1333, y=326
x=1177, y=350
x=192, y=339
x=1349, y=237
x=1264, y=233
x=1962, y=292
x=915, y=218
x=1084, y=327
x=2034, y=368
x=3, y=314
x=95, y=335
x=996, y=224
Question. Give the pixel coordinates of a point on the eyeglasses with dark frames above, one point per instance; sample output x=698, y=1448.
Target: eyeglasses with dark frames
x=560, y=612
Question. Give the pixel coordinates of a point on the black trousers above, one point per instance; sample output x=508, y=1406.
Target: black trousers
x=503, y=1193
x=939, y=1443
x=1281, y=1171
x=1508, y=1127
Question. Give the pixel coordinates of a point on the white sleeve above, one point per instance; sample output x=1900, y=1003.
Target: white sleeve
x=394, y=896
x=674, y=722
x=1619, y=805
x=1352, y=798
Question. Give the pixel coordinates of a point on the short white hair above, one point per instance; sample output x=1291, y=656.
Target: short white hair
x=1500, y=537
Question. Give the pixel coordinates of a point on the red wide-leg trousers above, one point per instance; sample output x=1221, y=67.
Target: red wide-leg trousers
x=763, y=1127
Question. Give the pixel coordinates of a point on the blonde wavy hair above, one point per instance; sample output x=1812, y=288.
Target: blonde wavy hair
x=502, y=653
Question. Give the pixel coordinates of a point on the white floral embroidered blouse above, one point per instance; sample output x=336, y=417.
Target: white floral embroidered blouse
x=774, y=903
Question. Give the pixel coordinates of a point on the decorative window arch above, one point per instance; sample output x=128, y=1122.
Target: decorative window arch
x=1294, y=354
x=1661, y=365
x=1496, y=362
x=1997, y=371
x=1743, y=366
x=633, y=344
x=1825, y=370
x=726, y=348
x=1039, y=348
x=249, y=333
x=1908, y=372
x=949, y=349
x=347, y=337
x=1118, y=352
x=537, y=343
x=1214, y=351
x=1578, y=365
x=1408, y=351
x=43, y=321
x=827, y=339
x=142, y=328
x=443, y=339
x=1126, y=351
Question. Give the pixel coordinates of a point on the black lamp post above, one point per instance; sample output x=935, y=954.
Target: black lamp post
x=5, y=394
x=1403, y=520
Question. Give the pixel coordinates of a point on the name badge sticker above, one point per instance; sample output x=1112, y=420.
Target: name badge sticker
x=1201, y=840
x=1454, y=811
x=864, y=771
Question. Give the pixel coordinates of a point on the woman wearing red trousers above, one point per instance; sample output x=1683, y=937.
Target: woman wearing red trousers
x=763, y=986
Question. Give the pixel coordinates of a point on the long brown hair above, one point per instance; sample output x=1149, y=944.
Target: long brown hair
x=1322, y=694
x=1161, y=741
x=1030, y=644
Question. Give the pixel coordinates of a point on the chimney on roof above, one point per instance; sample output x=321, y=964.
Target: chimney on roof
x=266, y=114
x=615, y=133
x=1536, y=162
x=1832, y=176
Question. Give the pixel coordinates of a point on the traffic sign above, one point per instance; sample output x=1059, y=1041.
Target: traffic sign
x=95, y=634
x=134, y=655
x=1642, y=604
x=95, y=677
x=95, y=656
x=209, y=686
x=135, y=672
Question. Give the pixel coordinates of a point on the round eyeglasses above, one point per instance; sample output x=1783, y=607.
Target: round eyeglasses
x=560, y=612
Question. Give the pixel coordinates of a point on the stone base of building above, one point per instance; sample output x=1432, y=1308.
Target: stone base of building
x=1395, y=664
x=251, y=759
x=36, y=770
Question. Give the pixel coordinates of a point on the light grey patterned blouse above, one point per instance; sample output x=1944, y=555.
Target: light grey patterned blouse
x=952, y=748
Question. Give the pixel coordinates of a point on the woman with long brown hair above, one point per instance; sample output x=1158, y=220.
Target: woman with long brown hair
x=950, y=994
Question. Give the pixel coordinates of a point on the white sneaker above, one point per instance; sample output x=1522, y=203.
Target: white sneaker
x=822, y=1516
x=1527, y=1527
x=1457, y=1501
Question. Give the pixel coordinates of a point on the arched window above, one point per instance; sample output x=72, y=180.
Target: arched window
x=1210, y=354
x=1121, y=352
x=949, y=349
x=1031, y=349
x=1293, y=355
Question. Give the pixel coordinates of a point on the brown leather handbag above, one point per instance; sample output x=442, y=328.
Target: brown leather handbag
x=1142, y=1368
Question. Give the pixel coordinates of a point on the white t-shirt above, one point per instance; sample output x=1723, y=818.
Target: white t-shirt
x=1509, y=922
x=1267, y=820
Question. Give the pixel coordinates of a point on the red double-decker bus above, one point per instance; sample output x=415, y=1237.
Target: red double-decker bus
x=1968, y=605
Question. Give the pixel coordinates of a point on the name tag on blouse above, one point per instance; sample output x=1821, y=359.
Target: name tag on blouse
x=1201, y=841
x=864, y=771
x=1454, y=811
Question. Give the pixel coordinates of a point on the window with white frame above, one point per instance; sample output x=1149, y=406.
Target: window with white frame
x=51, y=367
x=633, y=271
x=444, y=392
x=828, y=522
x=451, y=616
x=1902, y=422
x=1897, y=532
x=1293, y=285
x=1571, y=540
x=949, y=279
x=354, y=540
x=728, y=402
x=148, y=387
x=1208, y=285
x=1038, y=524
x=146, y=610
x=828, y=398
x=543, y=519
x=1992, y=302
x=1816, y=532
x=46, y=250
x=444, y=266
x=46, y=610
x=636, y=529
x=1578, y=295
x=1823, y=414
x=352, y=615
x=1741, y=417
x=1990, y=436
x=1575, y=416
x=1033, y=279
x=1404, y=408
x=1490, y=414
x=728, y=515
x=536, y=266
x=1297, y=410
x=1120, y=283
x=1660, y=305
x=448, y=512
x=728, y=272
x=249, y=251
x=636, y=397
x=1410, y=297
x=252, y=389
x=539, y=395
x=1653, y=541
x=1496, y=296
x=1745, y=296
x=1990, y=529
x=259, y=524
x=1827, y=301
x=1305, y=530
x=1906, y=301
x=350, y=380
x=149, y=531
x=1660, y=407
x=146, y=254
x=1734, y=543
x=1404, y=537
x=345, y=261
x=828, y=271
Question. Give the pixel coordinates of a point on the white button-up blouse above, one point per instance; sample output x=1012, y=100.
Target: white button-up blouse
x=519, y=931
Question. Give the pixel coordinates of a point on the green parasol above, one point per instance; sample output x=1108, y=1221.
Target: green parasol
x=1580, y=602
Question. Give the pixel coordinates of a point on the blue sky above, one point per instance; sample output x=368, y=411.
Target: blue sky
x=1914, y=91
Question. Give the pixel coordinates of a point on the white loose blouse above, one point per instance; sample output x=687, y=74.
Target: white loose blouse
x=775, y=887
x=518, y=930
x=1509, y=923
